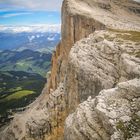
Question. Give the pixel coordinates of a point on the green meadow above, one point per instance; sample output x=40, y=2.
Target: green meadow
x=18, y=89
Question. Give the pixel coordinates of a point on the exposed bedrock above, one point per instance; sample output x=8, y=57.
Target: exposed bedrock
x=95, y=76
x=99, y=62
x=112, y=115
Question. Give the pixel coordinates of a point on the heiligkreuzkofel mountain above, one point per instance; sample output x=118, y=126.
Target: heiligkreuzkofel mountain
x=93, y=89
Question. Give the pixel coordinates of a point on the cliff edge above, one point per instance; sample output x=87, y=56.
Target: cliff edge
x=93, y=89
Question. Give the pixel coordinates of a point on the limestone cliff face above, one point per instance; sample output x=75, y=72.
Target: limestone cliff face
x=82, y=66
x=74, y=27
x=80, y=18
x=99, y=62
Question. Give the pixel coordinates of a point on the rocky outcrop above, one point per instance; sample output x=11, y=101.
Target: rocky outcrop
x=83, y=66
x=80, y=18
x=99, y=62
x=74, y=27
x=113, y=115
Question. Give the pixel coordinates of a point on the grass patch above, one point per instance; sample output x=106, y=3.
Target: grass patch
x=127, y=35
x=18, y=95
x=129, y=129
x=17, y=90
x=20, y=90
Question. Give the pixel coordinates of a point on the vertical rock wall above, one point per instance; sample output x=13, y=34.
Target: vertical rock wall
x=74, y=28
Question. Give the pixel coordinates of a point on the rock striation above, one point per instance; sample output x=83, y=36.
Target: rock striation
x=99, y=62
x=93, y=89
x=112, y=115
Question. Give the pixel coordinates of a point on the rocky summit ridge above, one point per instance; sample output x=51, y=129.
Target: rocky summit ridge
x=93, y=89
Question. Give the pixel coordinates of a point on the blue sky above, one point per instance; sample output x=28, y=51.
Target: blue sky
x=19, y=17
x=30, y=12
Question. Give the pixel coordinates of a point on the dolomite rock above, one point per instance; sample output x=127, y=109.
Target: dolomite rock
x=99, y=62
x=81, y=18
x=74, y=27
x=122, y=14
x=104, y=117
x=80, y=70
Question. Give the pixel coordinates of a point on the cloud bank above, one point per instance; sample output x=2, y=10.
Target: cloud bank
x=55, y=28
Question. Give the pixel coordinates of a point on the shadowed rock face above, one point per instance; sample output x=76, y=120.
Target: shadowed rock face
x=83, y=66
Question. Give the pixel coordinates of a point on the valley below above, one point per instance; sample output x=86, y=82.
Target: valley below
x=25, y=58
x=17, y=90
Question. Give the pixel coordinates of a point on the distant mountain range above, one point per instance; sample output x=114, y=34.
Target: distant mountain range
x=27, y=51
x=36, y=41
x=26, y=60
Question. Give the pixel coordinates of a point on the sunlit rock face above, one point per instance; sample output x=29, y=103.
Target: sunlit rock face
x=95, y=76
x=113, y=114
x=99, y=62
x=81, y=18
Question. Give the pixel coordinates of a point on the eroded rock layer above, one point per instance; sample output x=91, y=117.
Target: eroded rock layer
x=99, y=62
x=113, y=115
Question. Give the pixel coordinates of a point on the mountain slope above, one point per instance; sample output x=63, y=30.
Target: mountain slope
x=101, y=68
x=17, y=90
x=36, y=41
x=26, y=60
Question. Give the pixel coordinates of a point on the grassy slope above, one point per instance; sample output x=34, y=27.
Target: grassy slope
x=18, y=89
x=18, y=95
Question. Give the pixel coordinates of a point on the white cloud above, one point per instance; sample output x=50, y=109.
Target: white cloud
x=55, y=28
x=15, y=14
x=49, y=5
x=50, y=38
x=31, y=38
